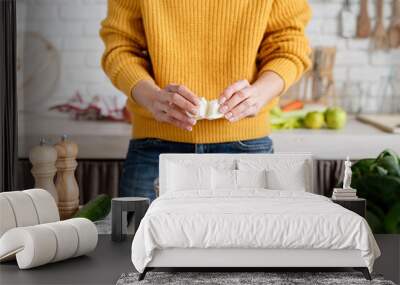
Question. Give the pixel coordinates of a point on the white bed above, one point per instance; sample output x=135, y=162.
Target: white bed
x=202, y=219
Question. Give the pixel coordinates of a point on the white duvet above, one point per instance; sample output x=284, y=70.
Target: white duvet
x=253, y=218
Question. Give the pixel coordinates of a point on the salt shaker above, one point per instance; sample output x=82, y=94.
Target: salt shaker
x=43, y=158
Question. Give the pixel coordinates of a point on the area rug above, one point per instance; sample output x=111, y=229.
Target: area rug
x=244, y=278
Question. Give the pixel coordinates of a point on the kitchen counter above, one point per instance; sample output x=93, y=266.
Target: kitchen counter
x=109, y=140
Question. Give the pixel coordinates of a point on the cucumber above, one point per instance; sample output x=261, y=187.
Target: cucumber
x=96, y=209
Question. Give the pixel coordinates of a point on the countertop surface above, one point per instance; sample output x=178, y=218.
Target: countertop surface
x=109, y=140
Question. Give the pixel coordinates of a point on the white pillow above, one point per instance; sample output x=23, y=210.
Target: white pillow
x=235, y=179
x=224, y=179
x=182, y=177
x=291, y=181
x=281, y=174
x=251, y=178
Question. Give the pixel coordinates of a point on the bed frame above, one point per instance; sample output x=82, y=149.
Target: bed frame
x=259, y=259
x=246, y=259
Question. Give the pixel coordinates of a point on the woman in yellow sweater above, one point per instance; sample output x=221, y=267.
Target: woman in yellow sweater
x=166, y=54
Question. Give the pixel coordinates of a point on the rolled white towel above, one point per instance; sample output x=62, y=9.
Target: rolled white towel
x=45, y=205
x=66, y=237
x=7, y=218
x=26, y=208
x=40, y=244
x=32, y=246
x=23, y=208
x=87, y=235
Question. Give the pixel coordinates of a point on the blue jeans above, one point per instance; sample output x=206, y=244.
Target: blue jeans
x=141, y=164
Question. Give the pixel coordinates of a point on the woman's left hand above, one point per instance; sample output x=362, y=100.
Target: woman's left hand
x=241, y=99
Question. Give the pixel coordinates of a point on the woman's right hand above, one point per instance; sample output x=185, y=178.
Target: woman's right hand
x=172, y=104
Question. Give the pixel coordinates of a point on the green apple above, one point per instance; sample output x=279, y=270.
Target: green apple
x=335, y=118
x=314, y=120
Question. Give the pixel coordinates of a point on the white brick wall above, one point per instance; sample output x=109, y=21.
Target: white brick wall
x=357, y=66
x=73, y=26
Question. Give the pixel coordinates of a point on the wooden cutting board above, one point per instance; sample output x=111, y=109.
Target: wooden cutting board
x=387, y=123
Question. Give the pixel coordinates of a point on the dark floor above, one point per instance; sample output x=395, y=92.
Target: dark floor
x=103, y=266
x=110, y=259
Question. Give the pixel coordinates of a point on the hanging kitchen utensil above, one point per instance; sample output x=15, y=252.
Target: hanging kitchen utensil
x=348, y=21
x=318, y=84
x=363, y=21
x=379, y=36
x=394, y=28
x=323, y=85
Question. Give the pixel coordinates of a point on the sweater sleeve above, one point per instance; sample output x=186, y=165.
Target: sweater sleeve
x=285, y=49
x=122, y=32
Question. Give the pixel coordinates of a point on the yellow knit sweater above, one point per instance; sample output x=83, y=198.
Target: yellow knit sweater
x=205, y=45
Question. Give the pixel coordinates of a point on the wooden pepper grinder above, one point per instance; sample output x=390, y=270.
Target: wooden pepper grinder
x=67, y=187
x=43, y=158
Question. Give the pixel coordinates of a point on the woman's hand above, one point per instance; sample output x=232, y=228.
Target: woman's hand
x=173, y=104
x=241, y=99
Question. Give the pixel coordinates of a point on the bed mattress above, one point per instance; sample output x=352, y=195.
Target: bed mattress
x=250, y=219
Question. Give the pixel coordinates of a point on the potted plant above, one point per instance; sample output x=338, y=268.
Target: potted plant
x=378, y=181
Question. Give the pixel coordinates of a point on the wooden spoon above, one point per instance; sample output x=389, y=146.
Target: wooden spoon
x=379, y=37
x=394, y=28
x=363, y=21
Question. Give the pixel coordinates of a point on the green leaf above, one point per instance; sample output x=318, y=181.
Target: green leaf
x=378, y=180
x=390, y=164
x=362, y=166
x=374, y=222
x=390, y=153
x=376, y=210
x=383, y=191
x=379, y=170
x=392, y=220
